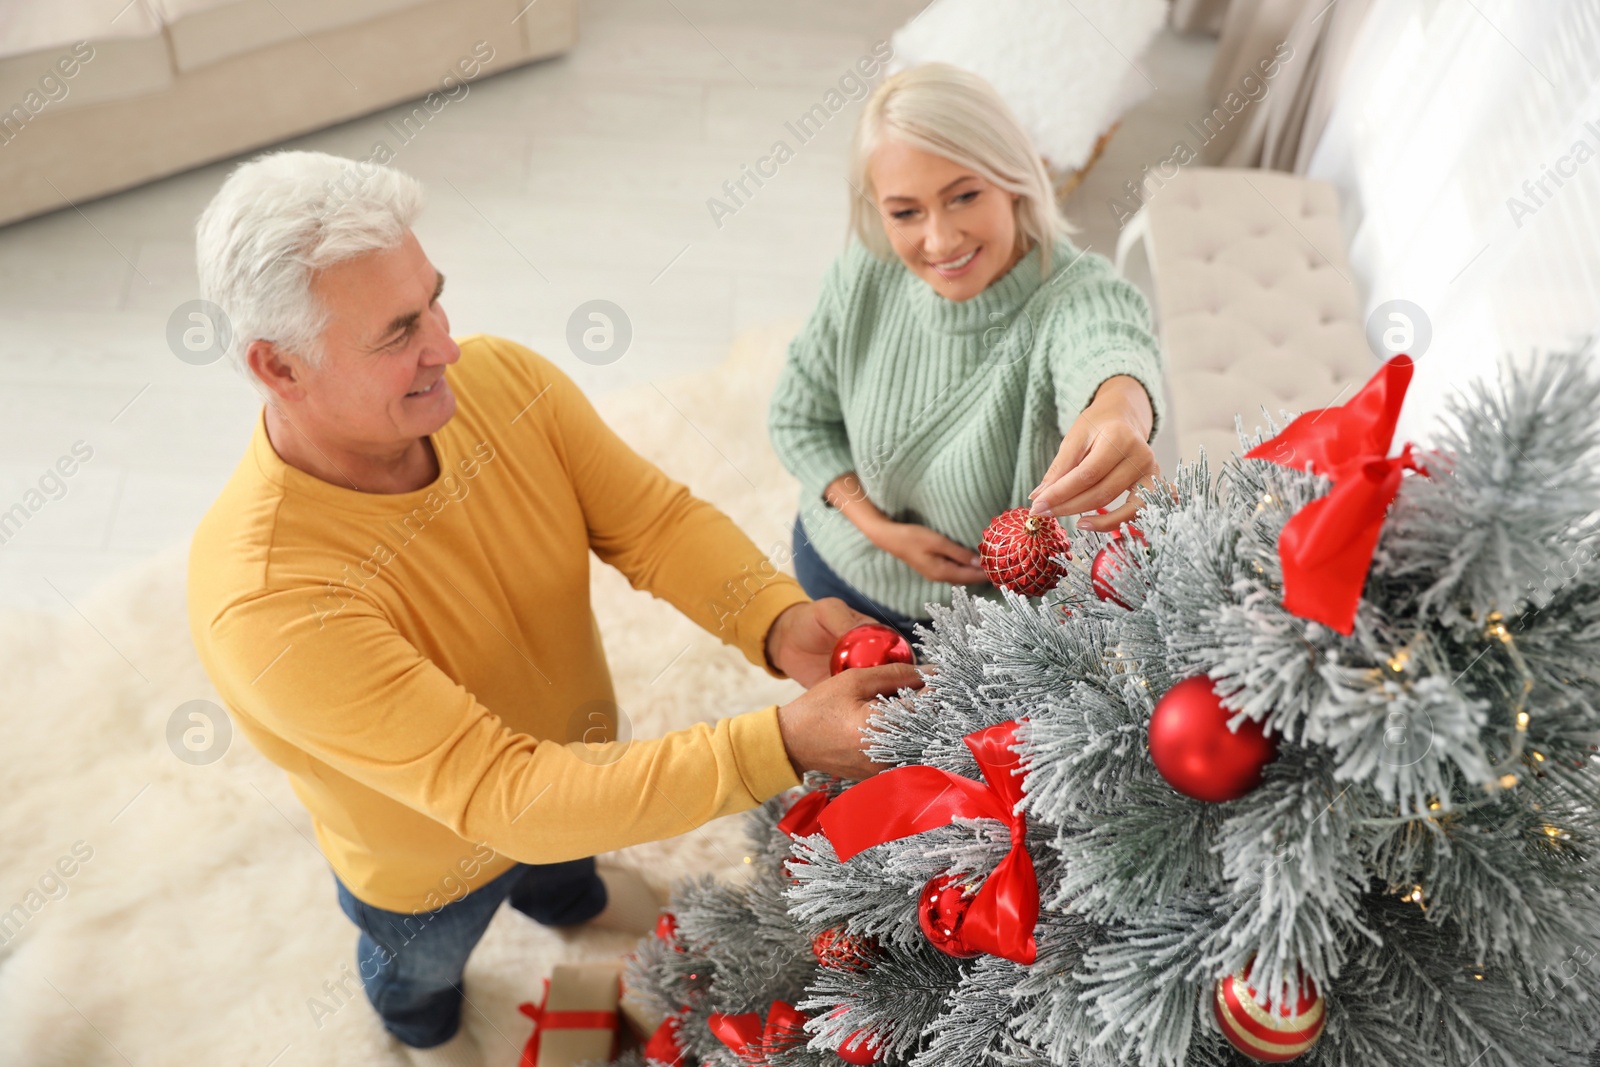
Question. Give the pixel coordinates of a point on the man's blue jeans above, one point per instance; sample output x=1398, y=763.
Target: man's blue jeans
x=819, y=580
x=411, y=965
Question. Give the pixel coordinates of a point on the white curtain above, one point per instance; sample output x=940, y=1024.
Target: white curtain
x=1451, y=114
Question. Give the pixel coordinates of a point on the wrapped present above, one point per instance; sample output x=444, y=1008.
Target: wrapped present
x=640, y=1017
x=576, y=1021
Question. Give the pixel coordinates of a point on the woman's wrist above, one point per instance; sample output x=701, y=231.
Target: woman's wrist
x=848, y=497
x=1124, y=397
x=878, y=530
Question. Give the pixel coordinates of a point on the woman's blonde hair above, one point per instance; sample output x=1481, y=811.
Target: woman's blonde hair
x=955, y=114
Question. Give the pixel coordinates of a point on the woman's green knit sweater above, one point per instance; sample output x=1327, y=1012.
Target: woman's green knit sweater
x=948, y=412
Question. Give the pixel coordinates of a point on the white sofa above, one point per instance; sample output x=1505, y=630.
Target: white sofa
x=101, y=95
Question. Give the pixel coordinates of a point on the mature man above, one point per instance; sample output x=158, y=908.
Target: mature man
x=392, y=596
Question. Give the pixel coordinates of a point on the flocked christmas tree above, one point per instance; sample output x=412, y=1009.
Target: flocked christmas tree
x=1381, y=825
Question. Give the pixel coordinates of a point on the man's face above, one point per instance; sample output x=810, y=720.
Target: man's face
x=387, y=344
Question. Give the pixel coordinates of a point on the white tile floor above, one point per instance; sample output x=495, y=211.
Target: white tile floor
x=577, y=178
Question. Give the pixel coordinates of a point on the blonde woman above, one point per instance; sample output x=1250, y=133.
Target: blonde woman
x=964, y=358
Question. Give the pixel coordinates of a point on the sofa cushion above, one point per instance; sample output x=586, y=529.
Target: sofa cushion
x=208, y=31
x=55, y=25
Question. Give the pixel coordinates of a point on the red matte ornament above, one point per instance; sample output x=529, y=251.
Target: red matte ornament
x=1108, y=562
x=1326, y=548
x=870, y=645
x=1196, y=752
x=1018, y=552
x=1260, y=1034
x=941, y=912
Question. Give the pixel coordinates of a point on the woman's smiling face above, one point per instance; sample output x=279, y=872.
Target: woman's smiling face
x=953, y=228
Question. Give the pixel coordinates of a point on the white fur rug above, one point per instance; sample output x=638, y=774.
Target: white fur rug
x=203, y=926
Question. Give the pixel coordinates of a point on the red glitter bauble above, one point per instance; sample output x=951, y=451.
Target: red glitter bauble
x=870, y=645
x=835, y=948
x=1196, y=752
x=941, y=910
x=1018, y=551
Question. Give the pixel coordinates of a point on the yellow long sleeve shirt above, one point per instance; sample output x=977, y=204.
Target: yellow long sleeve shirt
x=426, y=666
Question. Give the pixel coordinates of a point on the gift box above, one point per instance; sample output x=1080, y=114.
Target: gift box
x=640, y=1017
x=576, y=1021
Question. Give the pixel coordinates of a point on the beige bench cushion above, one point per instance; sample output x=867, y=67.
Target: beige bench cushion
x=1255, y=300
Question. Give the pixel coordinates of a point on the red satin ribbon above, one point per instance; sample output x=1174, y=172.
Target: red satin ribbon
x=751, y=1040
x=801, y=818
x=910, y=800
x=663, y=1045
x=544, y=1019
x=1326, y=547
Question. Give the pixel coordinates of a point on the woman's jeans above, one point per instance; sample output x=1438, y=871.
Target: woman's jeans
x=411, y=965
x=818, y=580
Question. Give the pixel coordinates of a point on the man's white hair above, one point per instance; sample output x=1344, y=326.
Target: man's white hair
x=952, y=113
x=275, y=221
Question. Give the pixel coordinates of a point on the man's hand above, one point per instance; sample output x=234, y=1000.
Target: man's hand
x=822, y=727
x=1105, y=453
x=801, y=639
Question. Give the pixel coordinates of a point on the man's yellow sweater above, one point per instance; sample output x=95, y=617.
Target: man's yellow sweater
x=426, y=666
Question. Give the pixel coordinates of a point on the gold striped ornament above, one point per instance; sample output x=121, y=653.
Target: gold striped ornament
x=1255, y=1031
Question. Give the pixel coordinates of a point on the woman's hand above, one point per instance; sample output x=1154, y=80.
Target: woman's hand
x=1105, y=453
x=928, y=552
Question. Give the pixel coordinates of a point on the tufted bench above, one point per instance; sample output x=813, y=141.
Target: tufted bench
x=1254, y=301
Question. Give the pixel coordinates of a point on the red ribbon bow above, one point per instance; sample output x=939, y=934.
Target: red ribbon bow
x=544, y=1019
x=751, y=1040
x=801, y=818
x=1326, y=547
x=663, y=1046
x=910, y=800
